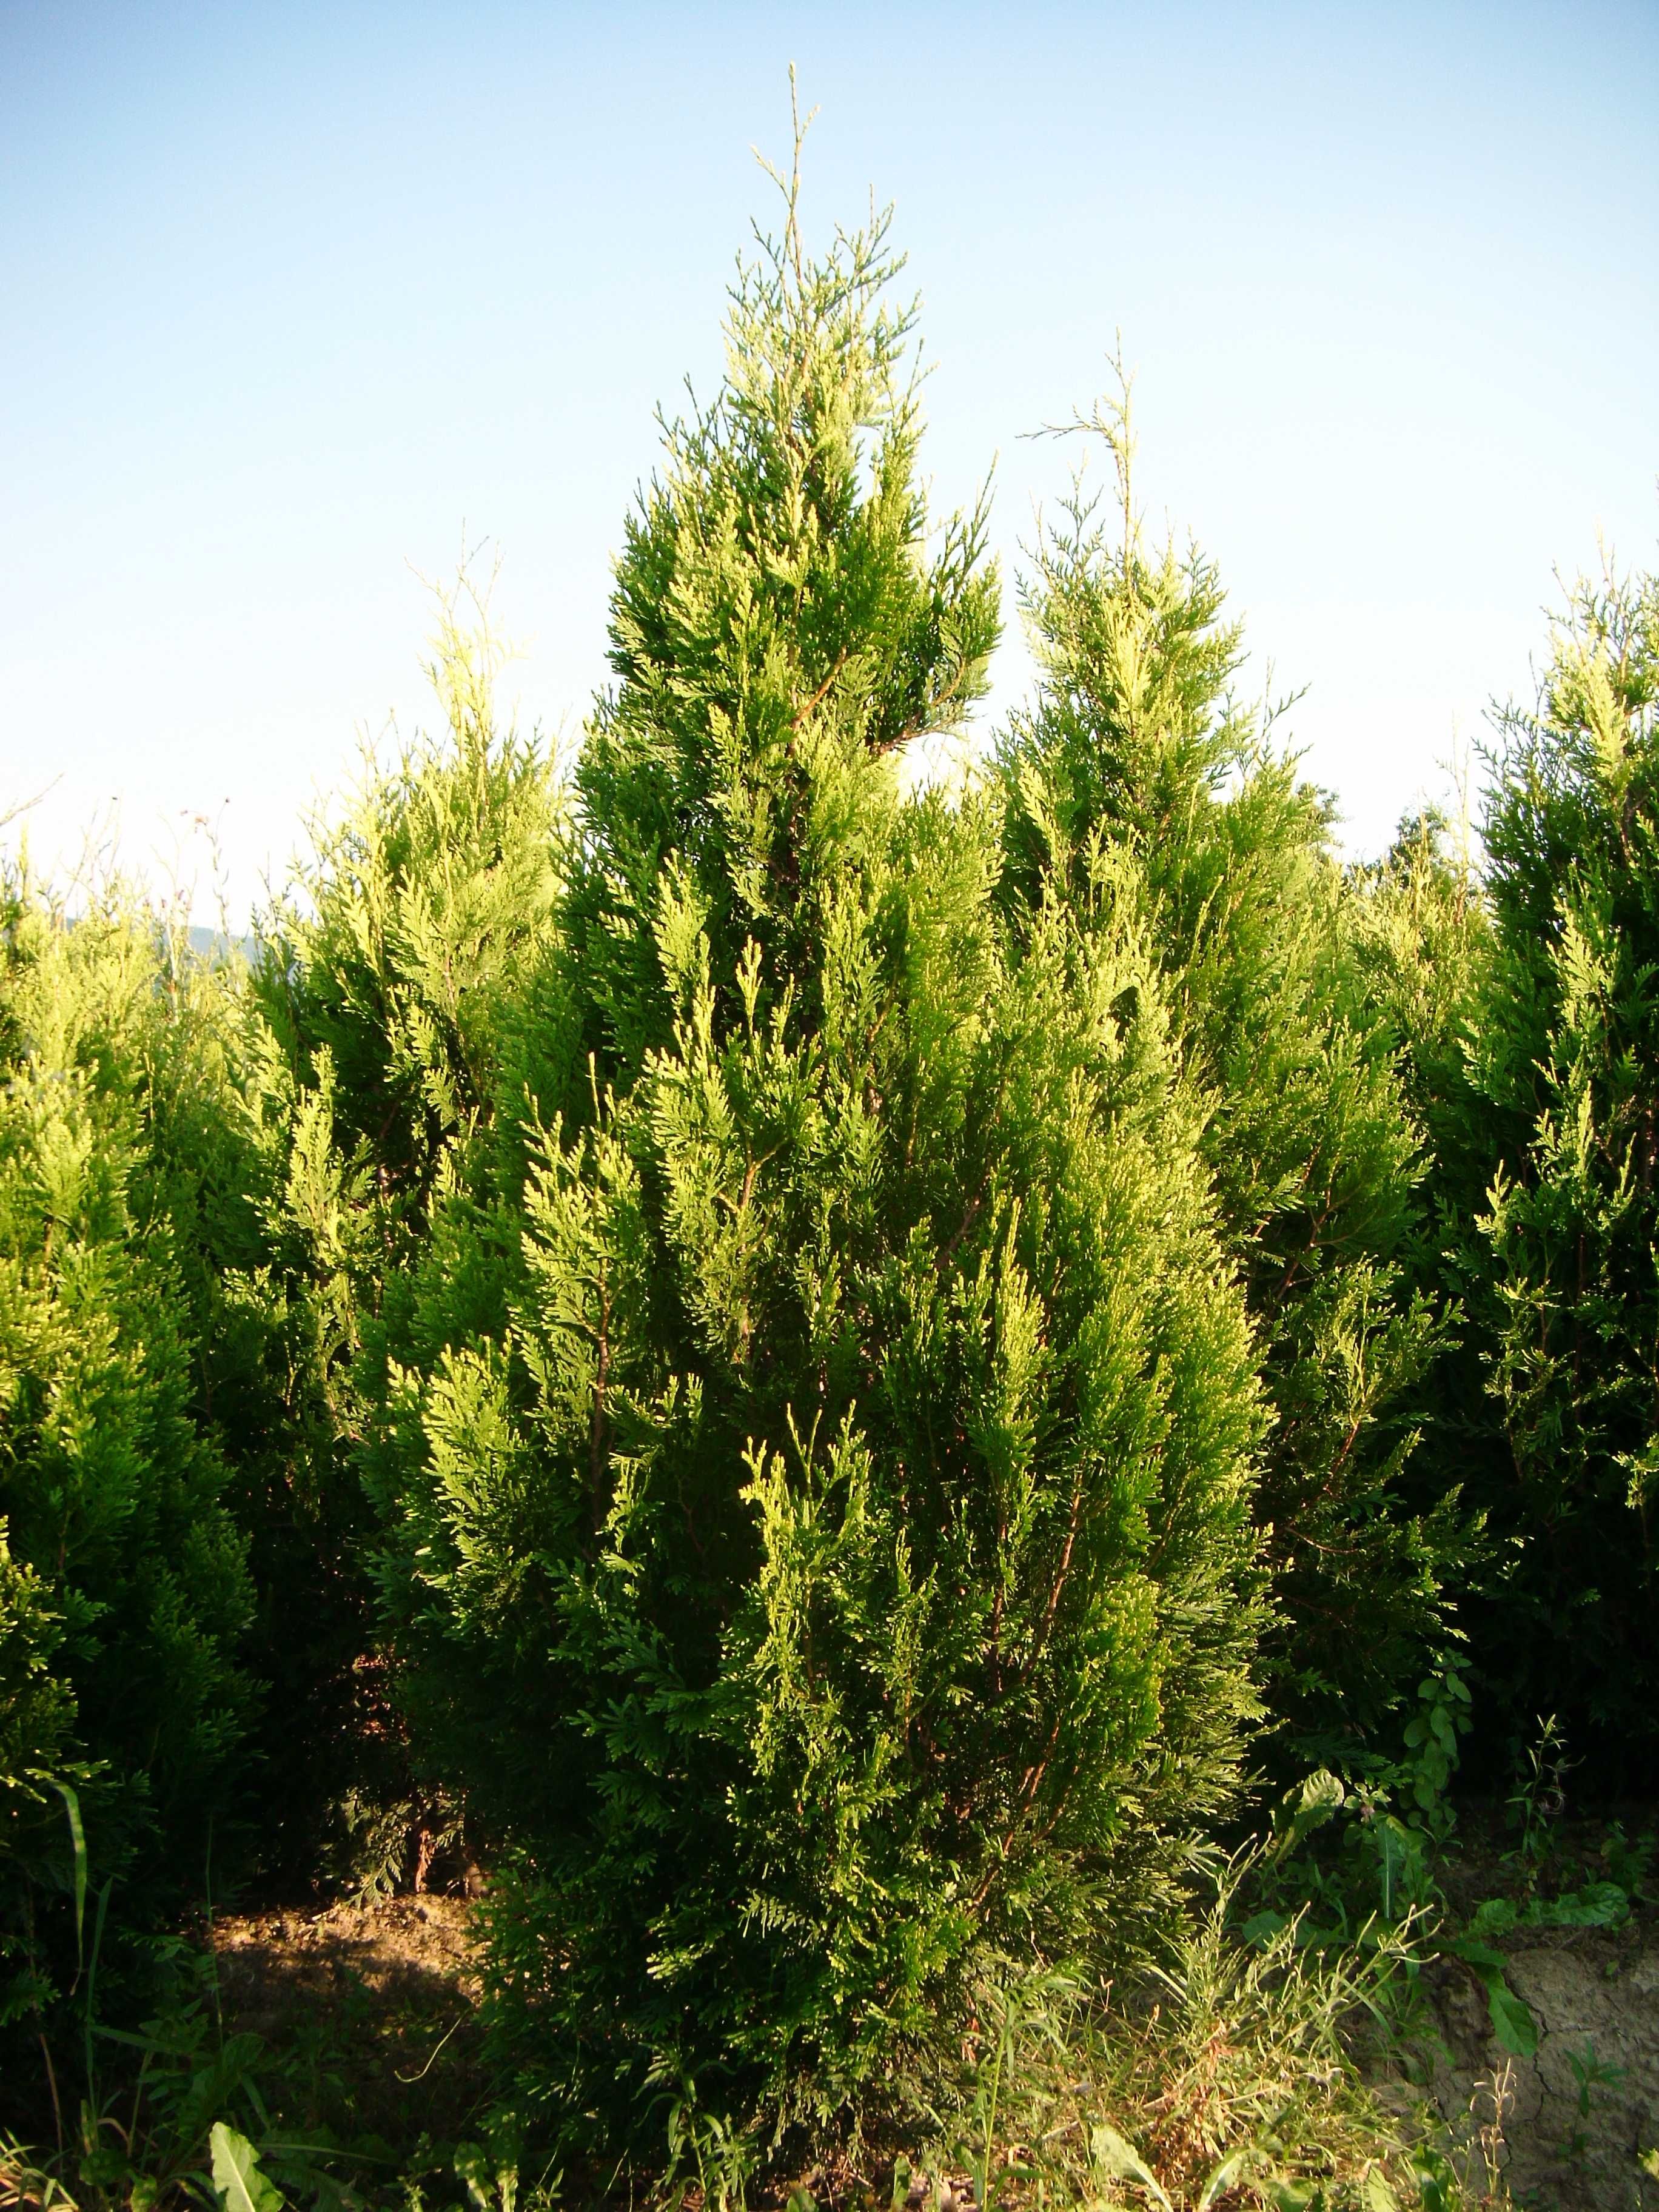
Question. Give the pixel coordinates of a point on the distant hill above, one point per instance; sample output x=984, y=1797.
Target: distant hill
x=214, y=944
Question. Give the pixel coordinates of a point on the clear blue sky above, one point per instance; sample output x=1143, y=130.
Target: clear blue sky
x=288, y=295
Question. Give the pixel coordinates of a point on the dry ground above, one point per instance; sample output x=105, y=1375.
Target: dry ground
x=1594, y=1994
x=369, y=2011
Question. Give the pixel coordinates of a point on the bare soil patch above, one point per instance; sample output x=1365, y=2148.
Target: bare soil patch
x=1595, y=1994
x=369, y=2012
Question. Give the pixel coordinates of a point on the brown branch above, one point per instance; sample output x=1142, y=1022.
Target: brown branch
x=918, y=722
x=596, y=1440
x=817, y=697
x=1577, y=1320
x=1060, y=1580
x=1034, y=1774
x=1030, y=1786
x=947, y=1250
x=1297, y=1258
x=1341, y=1459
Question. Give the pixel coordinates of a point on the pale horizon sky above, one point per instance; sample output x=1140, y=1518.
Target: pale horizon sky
x=290, y=297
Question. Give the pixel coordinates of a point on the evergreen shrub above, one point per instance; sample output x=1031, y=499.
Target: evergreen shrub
x=1138, y=762
x=380, y=1053
x=125, y=1589
x=833, y=1581
x=1564, y=1271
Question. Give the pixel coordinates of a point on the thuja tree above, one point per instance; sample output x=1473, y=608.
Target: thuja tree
x=1421, y=933
x=1570, y=1061
x=123, y=1589
x=1137, y=752
x=380, y=1050
x=1420, y=928
x=833, y=1583
x=420, y=907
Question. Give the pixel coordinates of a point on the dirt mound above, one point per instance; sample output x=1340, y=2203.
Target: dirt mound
x=1568, y=2126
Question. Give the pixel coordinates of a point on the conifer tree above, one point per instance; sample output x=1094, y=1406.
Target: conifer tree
x=1420, y=927
x=416, y=915
x=1422, y=935
x=379, y=1058
x=1138, y=761
x=833, y=1585
x=123, y=1592
x=1566, y=1066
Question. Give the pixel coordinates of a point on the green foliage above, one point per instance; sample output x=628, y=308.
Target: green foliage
x=177, y=2111
x=37, y=1706
x=420, y=915
x=1519, y=1001
x=1423, y=945
x=1423, y=948
x=780, y=628
x=237, y=2180
x=126, y=1591
x=380, y=1056
x=37, y=1761
x=1571, y=1300
x=1226, y=2075
x=1136, y=763
x=834, y=1579
x=797, y=1358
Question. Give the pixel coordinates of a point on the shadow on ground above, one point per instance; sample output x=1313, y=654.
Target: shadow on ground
x=369, y=2013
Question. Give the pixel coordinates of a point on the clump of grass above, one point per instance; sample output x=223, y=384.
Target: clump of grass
x=1227, y=2077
